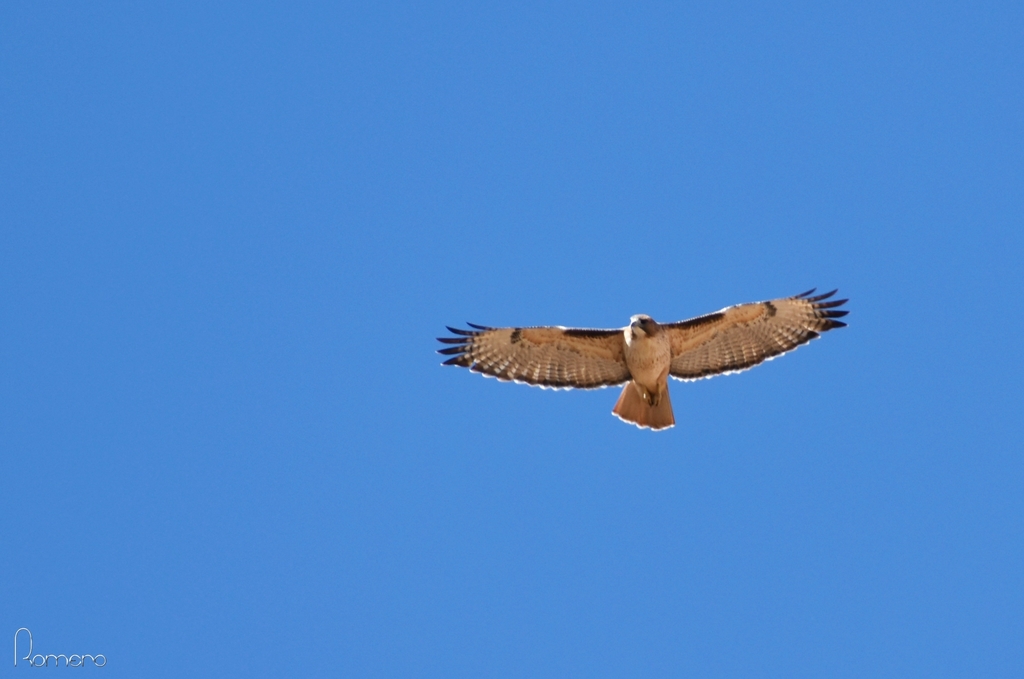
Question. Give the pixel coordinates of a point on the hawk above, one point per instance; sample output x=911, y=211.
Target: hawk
x=644, y=354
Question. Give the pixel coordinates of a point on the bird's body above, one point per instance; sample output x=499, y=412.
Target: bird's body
x=645, y=353
x=648, y=353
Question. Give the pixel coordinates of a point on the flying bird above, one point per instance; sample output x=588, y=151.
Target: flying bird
x=645, y=353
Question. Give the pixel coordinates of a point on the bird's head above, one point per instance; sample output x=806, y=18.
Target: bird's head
x=643, y=323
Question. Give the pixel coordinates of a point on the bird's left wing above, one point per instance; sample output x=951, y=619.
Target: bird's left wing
x=553, y=357
x=741, y=336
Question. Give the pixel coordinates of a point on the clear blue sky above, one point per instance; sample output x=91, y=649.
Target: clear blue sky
x=230, y=234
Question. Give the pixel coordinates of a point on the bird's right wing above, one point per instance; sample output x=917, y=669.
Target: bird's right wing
x=741, y=336
x=556, y=357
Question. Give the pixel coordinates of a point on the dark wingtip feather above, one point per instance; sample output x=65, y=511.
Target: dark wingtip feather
x=462, y=345
x=835, y=324
x=835, y=313
x=478, y=327
x=804, y=294
x=826, y=295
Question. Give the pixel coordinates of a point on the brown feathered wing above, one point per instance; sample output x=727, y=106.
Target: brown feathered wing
x=554, y=357
x=741, y=336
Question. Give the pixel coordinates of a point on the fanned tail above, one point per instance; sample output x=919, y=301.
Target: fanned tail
x=631, y=407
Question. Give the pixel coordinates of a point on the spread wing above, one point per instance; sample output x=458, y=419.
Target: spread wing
x=548, y=357
x=741, y=336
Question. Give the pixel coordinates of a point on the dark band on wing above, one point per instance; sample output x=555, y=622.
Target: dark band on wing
x=696, y=322
x=588, y=332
